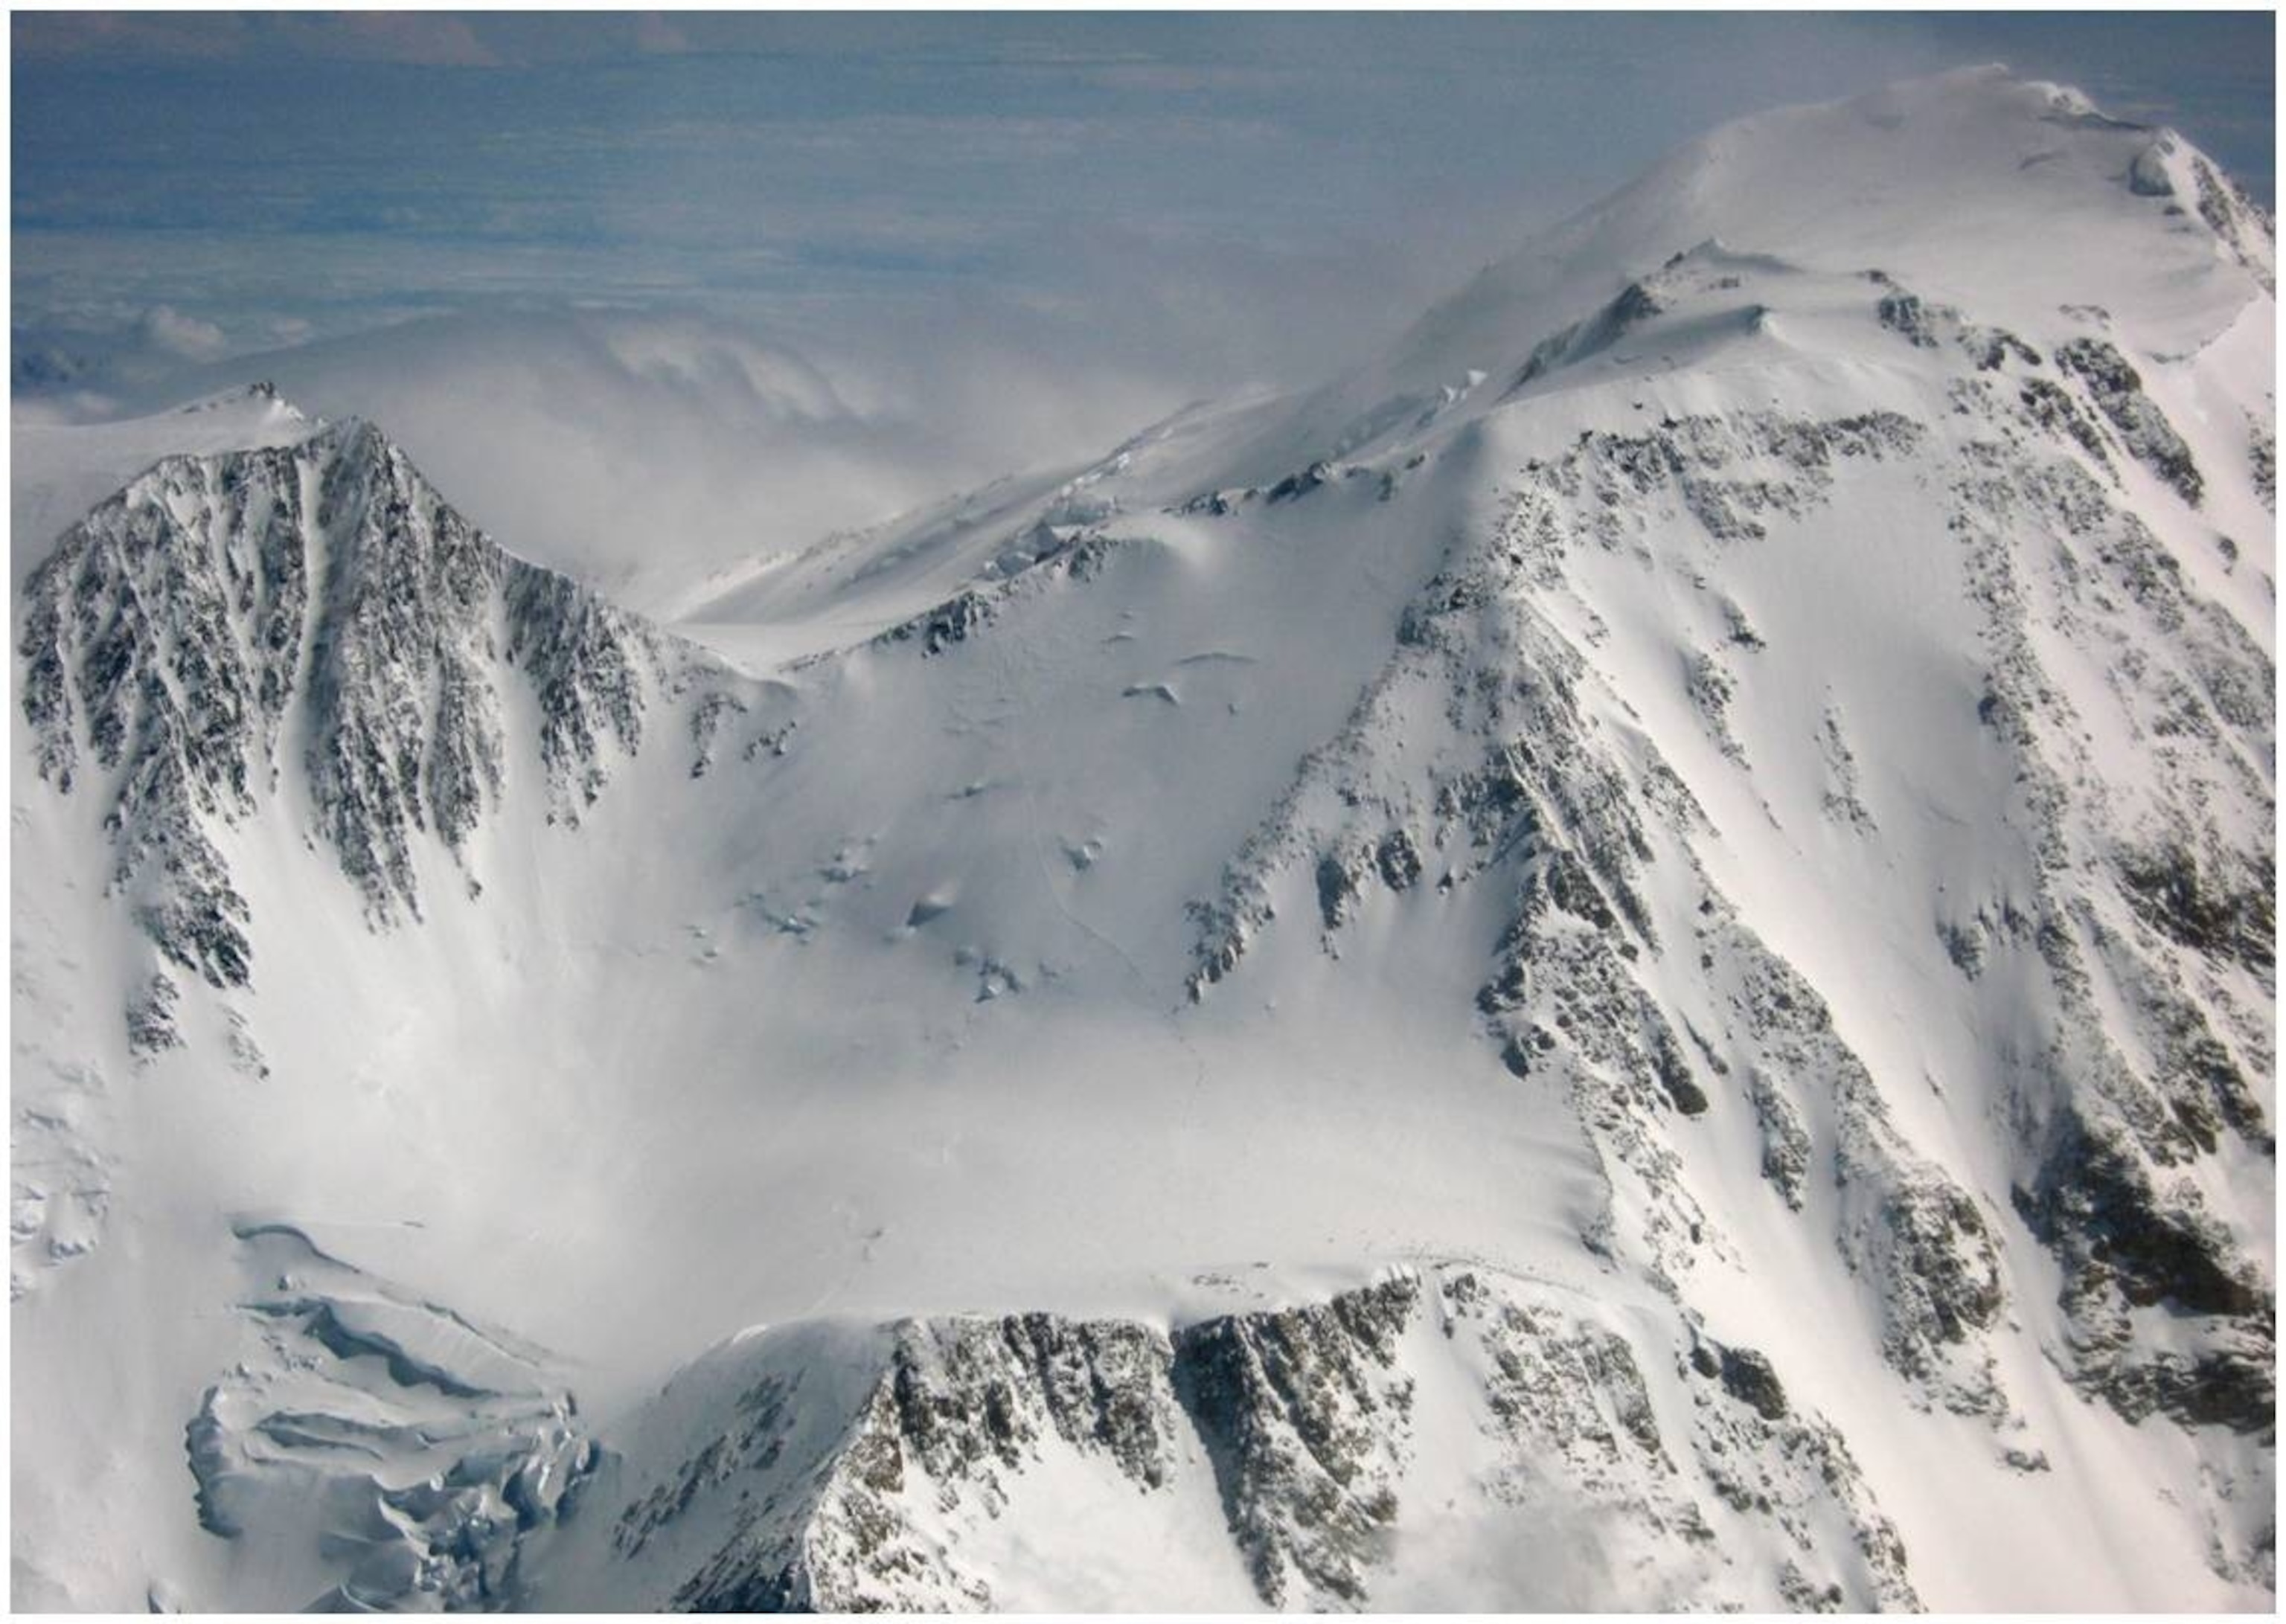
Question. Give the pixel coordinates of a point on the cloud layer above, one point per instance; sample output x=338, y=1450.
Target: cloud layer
x=993, y=242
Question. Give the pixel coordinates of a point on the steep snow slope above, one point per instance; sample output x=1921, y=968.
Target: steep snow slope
x=1625, y=961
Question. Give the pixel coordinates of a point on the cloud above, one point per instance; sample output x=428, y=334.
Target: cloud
x=875, y=258
x=643, y=452
x=167, y=329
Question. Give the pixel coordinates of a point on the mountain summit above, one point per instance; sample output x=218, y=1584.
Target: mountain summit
x=1625, y=961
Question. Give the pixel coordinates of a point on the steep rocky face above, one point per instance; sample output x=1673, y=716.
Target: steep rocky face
x=2170, y=167
x=958, y=1411
x=315, y=611
x=1318, y=1446
x=2158, y=873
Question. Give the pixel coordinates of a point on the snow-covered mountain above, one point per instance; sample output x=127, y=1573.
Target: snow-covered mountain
x=1623, y=961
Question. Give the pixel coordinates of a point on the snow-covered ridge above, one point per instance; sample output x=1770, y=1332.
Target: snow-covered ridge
x=1327, y=1456
x=59, y=469
x=1971, y=184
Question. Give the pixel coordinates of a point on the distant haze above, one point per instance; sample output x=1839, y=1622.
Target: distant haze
x=965, y=245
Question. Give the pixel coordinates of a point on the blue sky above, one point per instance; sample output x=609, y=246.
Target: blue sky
x=1008, y=238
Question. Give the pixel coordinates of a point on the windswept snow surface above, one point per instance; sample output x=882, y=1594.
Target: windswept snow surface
x=1624, y=960
x=63, y=469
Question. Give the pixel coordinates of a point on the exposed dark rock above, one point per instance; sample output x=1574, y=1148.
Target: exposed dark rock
x=954, y=621
x=1296, y=485
x=2128, y=1246
x=1903, y=314
x=1398, y=860
x=1337, y=890
x=2198, y=907
x=2117, y=390
x=584, y=660
x=1994, y=347
x=1673, y=1071
x=2096, y=1200
x=1635, y=305
x=2241, y=224
x=1785, y=1142
x=1747, y=1376
x=970, y=1393
x=406, y=734
x=171, y=629
x=1944, y=1244
x=151, y=1018
x=706, y=718
x=2052, y=408
x=1301, y=1410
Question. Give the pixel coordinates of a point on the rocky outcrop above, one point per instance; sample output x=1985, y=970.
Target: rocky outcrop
x=2242, y=228
x=1297, y=1428
x=406, y=726
x=2117, y=389
x=2138, y=1250
x=2150, y=909
x=1636, y=305
x=314, y=609
x=1031, y=561
x=589, y=664
x=1304, y=1413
